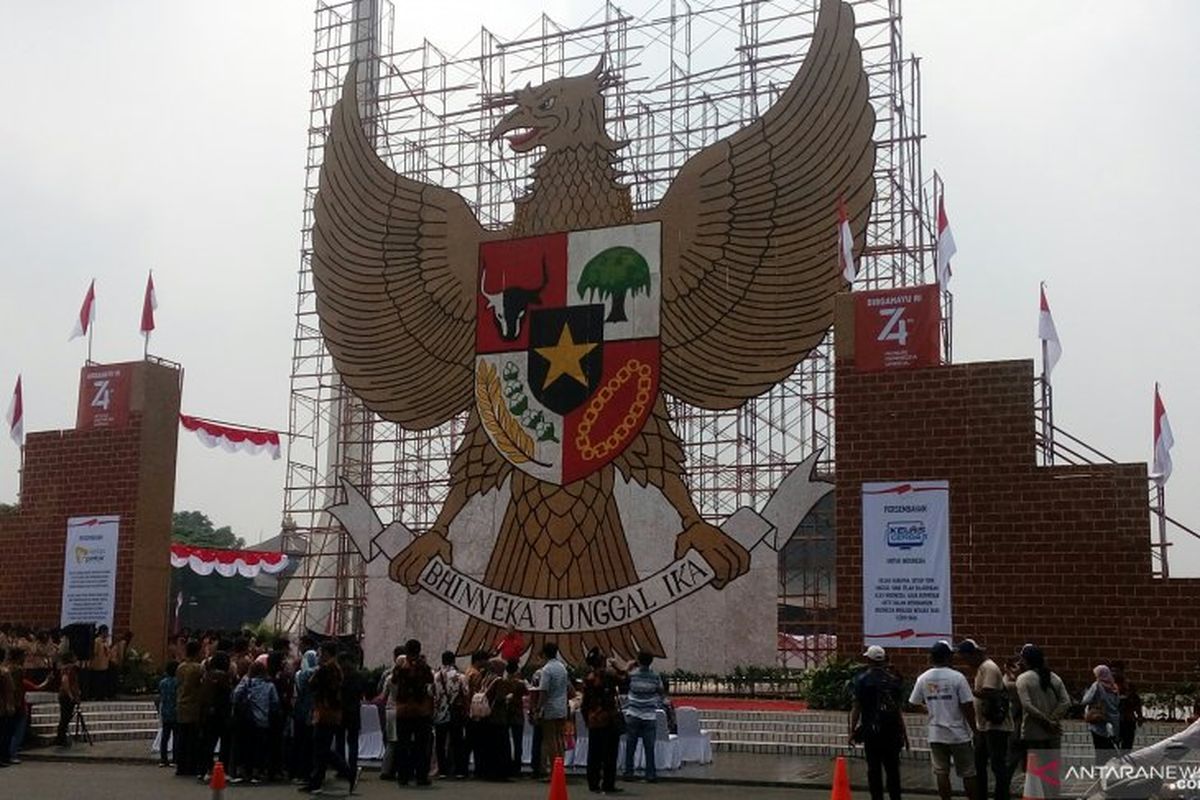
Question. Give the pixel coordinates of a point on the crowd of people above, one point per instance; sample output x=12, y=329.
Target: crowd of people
x=269, y=711
x=40, y=659
x=983, y=728
x=473, y=723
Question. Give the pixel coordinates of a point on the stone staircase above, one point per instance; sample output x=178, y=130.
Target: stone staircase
x=824, y=733
x=106, y=721
x=766, y=732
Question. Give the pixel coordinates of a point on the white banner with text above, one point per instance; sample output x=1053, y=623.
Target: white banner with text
x=906, y=563
x=90, y=571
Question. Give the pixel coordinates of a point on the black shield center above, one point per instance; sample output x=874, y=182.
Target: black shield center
x=565, y=345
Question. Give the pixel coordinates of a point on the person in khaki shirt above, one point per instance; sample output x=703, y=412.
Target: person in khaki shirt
x=992, y=718
x=98, y=666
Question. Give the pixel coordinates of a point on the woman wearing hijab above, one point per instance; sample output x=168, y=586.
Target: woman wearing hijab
x=1102, y=702
x=302, y=736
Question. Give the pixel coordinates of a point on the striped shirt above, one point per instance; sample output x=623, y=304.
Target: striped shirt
x=645, y=694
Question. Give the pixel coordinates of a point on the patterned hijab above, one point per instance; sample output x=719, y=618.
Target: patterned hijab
x=1104, y=678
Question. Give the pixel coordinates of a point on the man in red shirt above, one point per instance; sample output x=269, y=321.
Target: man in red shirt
x=510, y=646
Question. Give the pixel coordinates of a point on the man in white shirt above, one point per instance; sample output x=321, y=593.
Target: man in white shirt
x=950, y=703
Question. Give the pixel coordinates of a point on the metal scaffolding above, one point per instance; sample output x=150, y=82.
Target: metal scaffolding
x=689, y=74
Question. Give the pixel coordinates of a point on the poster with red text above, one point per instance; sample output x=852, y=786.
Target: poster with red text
x=897, y=329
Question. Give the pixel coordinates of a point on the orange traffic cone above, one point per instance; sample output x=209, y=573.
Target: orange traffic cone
x=841, y=780
x=217, y=782
x=558, y=781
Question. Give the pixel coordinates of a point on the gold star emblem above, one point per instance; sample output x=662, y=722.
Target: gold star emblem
x=565, y=358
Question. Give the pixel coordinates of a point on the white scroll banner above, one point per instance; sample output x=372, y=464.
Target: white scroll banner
x=789, y=504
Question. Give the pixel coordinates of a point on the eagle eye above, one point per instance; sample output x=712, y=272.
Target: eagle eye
x=546, y=104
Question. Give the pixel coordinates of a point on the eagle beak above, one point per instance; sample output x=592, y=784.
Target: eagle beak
x=520, y=121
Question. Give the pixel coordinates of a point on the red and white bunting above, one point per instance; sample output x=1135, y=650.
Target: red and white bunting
x=87, y=313
x=149, y=305
x=1164, y=440
x=16, y=415
x=226, y=563
x=230, y=438
x=1049, y=335
x=845, y=242
x=945, y=244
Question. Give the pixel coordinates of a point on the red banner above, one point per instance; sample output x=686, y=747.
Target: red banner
x=897, y=328
x=104, y=394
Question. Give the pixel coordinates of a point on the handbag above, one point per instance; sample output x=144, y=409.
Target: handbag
x=1095, y=715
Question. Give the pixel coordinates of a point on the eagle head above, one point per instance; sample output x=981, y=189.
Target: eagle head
x=558, y=114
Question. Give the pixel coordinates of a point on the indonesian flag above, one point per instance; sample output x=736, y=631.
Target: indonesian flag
x=1049, y=335
x=1163, y=441
x=87, y=313
x=149, y=304
x=845, y=242
x=945, y=244
x=16, y=415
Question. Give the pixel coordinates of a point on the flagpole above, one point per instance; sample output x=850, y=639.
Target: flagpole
x=1161, y=491
x=1047, y=405
x=91, y=327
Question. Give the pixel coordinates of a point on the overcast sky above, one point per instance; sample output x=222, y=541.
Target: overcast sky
x=171, y=136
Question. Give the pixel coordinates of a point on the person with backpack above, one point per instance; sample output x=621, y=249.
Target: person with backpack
x=490, y=708
x=474, y=728
x=255, y=703
x=877, y=724
x=992, y=718
x=451, y=701
x=412, y=684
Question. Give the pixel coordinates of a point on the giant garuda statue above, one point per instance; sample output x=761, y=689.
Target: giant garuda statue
x=561, y=334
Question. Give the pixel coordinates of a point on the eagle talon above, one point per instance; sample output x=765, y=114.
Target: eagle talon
x=728, y=559
x=408, y=565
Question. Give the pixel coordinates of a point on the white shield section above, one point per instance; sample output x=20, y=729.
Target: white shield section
x=642, y=306
x=525, y=432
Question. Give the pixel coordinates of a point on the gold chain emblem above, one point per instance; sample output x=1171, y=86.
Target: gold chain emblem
x=590, y=451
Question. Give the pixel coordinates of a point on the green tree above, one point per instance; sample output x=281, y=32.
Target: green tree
x=196, y=529
x=614, y=273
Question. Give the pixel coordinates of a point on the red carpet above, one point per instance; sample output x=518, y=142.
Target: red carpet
x=738, y=704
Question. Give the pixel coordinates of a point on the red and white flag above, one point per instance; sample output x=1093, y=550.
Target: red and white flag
x=1049, y=336
x=149, y=305
x=16, y=415
x=845, y=242
x=87, y=313
x=1164, y=440
x=945, y=244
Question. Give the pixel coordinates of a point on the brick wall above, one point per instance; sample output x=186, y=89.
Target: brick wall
x=1059, y=556
x=129, y=472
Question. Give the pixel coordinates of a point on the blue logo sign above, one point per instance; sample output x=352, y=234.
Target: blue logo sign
x=905, y=535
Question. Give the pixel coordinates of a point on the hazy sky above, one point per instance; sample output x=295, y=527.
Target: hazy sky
x=138, y=135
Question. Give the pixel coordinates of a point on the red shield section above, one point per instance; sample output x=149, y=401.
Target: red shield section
x=600, y=429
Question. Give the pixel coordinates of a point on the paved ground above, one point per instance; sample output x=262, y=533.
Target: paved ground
x=739, y=769
x=100, y=780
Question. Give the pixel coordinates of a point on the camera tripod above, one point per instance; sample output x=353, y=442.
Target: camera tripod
x=81, y=728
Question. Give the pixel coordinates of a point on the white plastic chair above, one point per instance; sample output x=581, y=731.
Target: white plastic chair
x=577, y=757
x=695, y=744
x=370, y=736
x=666, y=747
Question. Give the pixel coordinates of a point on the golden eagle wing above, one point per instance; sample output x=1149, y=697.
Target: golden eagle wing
x=394, y=264
x=749, y=229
